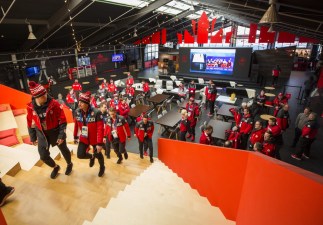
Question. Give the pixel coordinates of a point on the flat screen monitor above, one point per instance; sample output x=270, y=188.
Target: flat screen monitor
x=117, y=58
x=32, y=71
x=212, y=61
x=84, y=61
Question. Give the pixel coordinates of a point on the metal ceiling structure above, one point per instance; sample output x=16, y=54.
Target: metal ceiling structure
x=98, y=22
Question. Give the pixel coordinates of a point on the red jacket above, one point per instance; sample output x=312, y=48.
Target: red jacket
x=205, y=139
x=93, y=120
x=193, y=112
x=310, y=129
x=268, y=149
x=210, y=92
x=77, y=87
x=256, y=136
x=120, y=125
x=191, y=89
x=71, y=99
x=129, y=81
x=104, y=85
x=123, y=109
x=114, y=104
x=184, y=125
x=112, y=88
x=275, y=130
x=283, y=119
x=93, y=102
x=235, y=138
x=237, y=116
x=278, y=104
x=246, y=124
x=55, y=117
x=146, y=87
x=130, y=92
x=275, y=72
x=141, y=129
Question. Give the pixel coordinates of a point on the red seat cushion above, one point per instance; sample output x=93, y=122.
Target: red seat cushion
x=3, y=108
x=18, y=112
x=26, y=140
x=7, y=133
x=9, y=141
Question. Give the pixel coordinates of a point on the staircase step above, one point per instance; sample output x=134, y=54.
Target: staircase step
x=9, y=166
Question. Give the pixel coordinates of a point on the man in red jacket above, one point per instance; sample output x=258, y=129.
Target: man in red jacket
x=129, y=80
x=269, y=147
x=191, y=89
x=77, y=88
x=89, y=122
x=130, y=93
x=275, y=73
x=112, y=88
x=206, y=136
x=210, y=93
x=144, y=132
x=123, y=108
x=192, y=112
x=277, y=137
x=114, y=103
x=234, y=138
x=282, y=117
x=309, y=133
x=104, y=84
x=71, y=100
x=117, y=131
x=245, y=127
x=46, y=123
x=257, y=135
x=279, y=102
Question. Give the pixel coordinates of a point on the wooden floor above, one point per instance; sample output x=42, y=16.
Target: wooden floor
x=67, y=199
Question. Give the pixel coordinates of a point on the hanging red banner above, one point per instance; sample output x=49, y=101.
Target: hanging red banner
x=179, y=38
x=217, y=38
x=146, y=40
x=307, y=40
x=228, y=36
x=212, y=24
x=188, y=38
x=137, y=42
x=285, y=37
x=155, y=38
x=194, y=27
x=163, y=38
x=265, y=36
x=203, y=29
x=252, y=33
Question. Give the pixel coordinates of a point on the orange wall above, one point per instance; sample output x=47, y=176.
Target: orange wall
x=248, y=187
x=19, y=100
x=2, y=219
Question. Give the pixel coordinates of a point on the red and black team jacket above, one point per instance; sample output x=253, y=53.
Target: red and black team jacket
x=275, y=130
x=112, y=88
x=77, y=87
x=246, y=124
x=278, y=104
x=235, y=138
x=54, y=118
x=145, y=87
x=184, y=125
x=129, y=81
x=236, y=114
x=93, y=102
x=93, y=119
x=71, y=98
x=123, y=109
x=268, y=148
x=191, y=89
x=283, y=119
x=261, y=99
x=130, y=91
x=256, y=136
x=193, y=112
x=210, y=92
x=120, y=125
x=104, y=85
x=205, y=139
x=141, y=129
x=275, y=72
x=310, y=129
x=114, y=104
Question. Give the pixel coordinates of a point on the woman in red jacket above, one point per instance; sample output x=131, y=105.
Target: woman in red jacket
x=129, y=80
x=210, y=93
x=88, y=122
x=206, y=136
x=184, y=125
x=123, y=108
x=193, y=112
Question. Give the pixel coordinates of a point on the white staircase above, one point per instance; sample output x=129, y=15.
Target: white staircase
x=159, y=197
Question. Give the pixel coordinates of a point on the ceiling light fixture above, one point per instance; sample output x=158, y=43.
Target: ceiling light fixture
x=31, y=35
x=271, y=15
x=135, y=33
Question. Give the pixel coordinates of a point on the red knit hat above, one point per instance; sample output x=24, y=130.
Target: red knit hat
x=85, y=97
x=36, y=90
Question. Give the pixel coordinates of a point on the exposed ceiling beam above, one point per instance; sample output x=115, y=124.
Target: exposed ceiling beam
x=123, y=24
x=55, y=20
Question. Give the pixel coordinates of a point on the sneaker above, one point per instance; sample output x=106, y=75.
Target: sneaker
x=145, y=153
x=119, y=161
x=151, y=159
x=295, y=157
x=305, y=156
x=54, y=173
x=9, y=191
x=69, y=169
x=188, y=135
x=141, y=156
x=126, y=155
x=92, y=161
x=101, y=171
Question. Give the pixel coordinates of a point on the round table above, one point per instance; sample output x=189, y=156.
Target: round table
x=126, y=72
x=68, y=87
x=136, y=70
x=269, y=106
x=266, y=116
x=269, y=88
x=101, y=78
x=113, y=75
x=239, y=85
x=85, y=82
x=270, y=95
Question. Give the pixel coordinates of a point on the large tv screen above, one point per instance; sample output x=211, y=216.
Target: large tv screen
x=212, y=61
x=117, y=58
x=32, y=71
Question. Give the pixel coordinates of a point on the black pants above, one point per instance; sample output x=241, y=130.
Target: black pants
x=182, y=135
x=107, y=147
x=244, y=141
x=146, y=144
x=192, y=130
x=211, y=104
x=3, y=189
x=83, y=154
x=119, y=148
x=298, y=133
x=43, y=150
x=305, y=148
x=275, y=80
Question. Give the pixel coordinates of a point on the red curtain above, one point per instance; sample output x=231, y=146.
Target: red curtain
x=252, y=33
x=188, y=38
x=285, y=37
x=179, y=38
x=194, y=27
x=213, y=23
x=217, y=38
x=265, y=36
x=202, y=31
x=155, y=38
x=163, y=38
x=307, y=40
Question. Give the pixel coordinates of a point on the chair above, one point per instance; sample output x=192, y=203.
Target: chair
x=159, y=91
x=177, y=82
x=161, y=106
x=178, y=102
x=174, y=131
x=173, y=77
x=164, y=112
x=169, y=85
x=160, y=127
x=152, y=80
x=150, y=112
x=133, y=106
x=159, y=83
x=153, y=94
x=200, y=80
x=182, y=99
x=169, y=102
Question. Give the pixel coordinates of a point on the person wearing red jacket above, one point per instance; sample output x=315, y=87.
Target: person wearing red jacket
x=116, y=132
x=88, y=122
x=236, y=115
x=192, y=112
x=275, y=73
x=103, y=109
x=129, y=80
x=277, y=137
x=123, y=108
x=46, y=123
x=206, y=136
x=257, y=135
x=144, y=132
x=114, y=103
x=234, y=137
x=191, y=89
x=279, y=102
x=93, y=102
x=104, y=85
x=269, y=147
x=245, y=127
x=77, y=88
x=210, y=93
x=112, y=88
x=71, y=100
x=283, y=118
x=181, y=91
x=184, y=125
x=260, y=102
x=130, y=92
x=308, y=135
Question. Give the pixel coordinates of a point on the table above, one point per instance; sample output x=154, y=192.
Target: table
x=169, y=120
x=266, y=117
x=270, y=95
x=137, y=111
x=68, y=87
x=225, y=99
x=219, y=128
x=157, y=99
x=183, y=104
x=85, y=82
x=113, y=75
x=101, y=78
x=270, y=88
x=224, y=110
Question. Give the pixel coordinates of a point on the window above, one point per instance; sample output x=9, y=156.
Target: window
x=151, y=52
